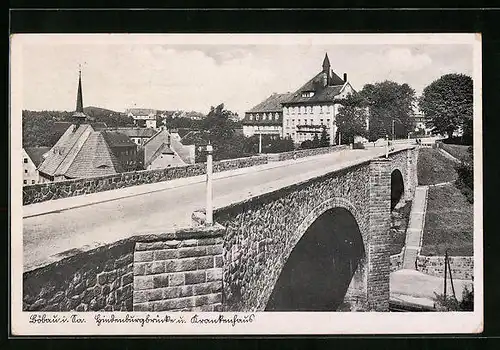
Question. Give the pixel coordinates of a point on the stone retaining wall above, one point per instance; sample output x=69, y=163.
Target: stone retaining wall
x=179, y=275
x=276, y=157
x=70, y=188
x=179, y=270
x=462, y=267
x=396, y=261
x=100, y=280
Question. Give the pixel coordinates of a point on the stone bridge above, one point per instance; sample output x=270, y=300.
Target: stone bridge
x=318, y=245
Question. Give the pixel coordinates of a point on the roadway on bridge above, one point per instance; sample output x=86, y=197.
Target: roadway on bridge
x=87, y=227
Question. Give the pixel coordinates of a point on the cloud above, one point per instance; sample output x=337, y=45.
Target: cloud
x=404, y=60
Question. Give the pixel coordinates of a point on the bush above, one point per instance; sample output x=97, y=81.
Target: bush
x=465, y=181
x=450, y=303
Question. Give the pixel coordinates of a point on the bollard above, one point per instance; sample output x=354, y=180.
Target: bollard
x=209, y=192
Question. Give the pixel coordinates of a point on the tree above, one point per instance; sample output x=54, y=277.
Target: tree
x=351, y=119
x=448, y=102
x=315, y=141
x=389, y=104
x=324, y=141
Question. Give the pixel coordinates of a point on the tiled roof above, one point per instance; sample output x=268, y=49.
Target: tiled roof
x=322, y=94
x=94, y=159
x=36, y=154
x=271, y=104
x=117, y=139
x=65, y=150
x=135, y=132
x=140, y=111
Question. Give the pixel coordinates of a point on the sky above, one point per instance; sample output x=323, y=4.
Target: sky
x=195, y=73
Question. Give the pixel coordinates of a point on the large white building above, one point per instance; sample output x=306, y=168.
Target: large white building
x=303, y=113
x=315, y=105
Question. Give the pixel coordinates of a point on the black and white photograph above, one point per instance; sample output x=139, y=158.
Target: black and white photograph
x=239, y=183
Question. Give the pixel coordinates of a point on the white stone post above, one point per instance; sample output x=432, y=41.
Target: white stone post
x=209, y=192
x=386, y=146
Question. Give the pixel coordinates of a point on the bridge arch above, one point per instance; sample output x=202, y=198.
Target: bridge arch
x=315, y=273
x=397, y=188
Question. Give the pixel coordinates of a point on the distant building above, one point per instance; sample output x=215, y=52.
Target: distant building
x=138, y=135
x=123, y=148
x=314, y=106
x=82, y=151
x=143, y=116
x=420, y=122
x=32, y=158
x=159, y=153
x=266, y=118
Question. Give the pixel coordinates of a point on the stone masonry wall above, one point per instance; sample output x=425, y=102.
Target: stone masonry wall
x=63, y=189
x=378, y=252
x=305, y=153
x=100, y=280
x=462, y=267
x=396, y=261
x=261, y=232
x=181, y=274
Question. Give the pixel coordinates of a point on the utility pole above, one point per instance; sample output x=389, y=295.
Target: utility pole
x=445, y=272
x=260, y=143
x=393, y=129
x=209, y=192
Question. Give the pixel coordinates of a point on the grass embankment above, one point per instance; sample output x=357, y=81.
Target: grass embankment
x=434, y=167
x=449, y=216
x=458, y=151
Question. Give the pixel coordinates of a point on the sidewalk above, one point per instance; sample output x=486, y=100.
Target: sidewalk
x=415, y=228
x=403, y=282
x=57, y=205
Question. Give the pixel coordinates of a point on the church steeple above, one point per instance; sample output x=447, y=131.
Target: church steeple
x=79, y=96
x=79, y=115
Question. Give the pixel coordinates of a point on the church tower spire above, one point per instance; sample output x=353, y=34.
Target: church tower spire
x=79, y=116
x=79, y=96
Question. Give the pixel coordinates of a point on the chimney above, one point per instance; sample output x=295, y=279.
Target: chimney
x=345, y=77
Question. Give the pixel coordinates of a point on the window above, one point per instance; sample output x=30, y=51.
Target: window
x=328, y=121
x=32, y=182
x=26, y=160
x=308, y=94
x=298, y=121
x=321, y=121
x=302, y=109
x=251, y=117
x=293, y=122
x=311, y=121
x=25, y=182
x=308, y=109
x=25, y=171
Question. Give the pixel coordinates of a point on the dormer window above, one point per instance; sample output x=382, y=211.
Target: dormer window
x=251, y=117
x=307, y=93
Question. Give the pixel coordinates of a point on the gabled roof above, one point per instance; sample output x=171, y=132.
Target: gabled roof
x=322, y=94
x=36, y=154
x=94, y=159
x=135, y=132
x=65, y=150
x=117, y=139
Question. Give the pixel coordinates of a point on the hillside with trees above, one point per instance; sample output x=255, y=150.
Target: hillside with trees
x=40, y=128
